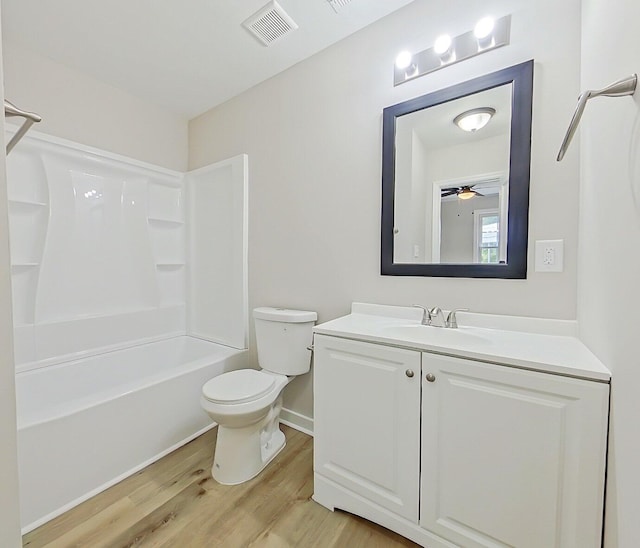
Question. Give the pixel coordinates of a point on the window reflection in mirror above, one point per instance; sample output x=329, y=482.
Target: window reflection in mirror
x=452, y=186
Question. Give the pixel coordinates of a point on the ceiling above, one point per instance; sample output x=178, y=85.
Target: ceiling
x=187, y=56
x=435, y=124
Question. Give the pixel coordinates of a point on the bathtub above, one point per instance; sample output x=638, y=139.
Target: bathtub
x=84, y=425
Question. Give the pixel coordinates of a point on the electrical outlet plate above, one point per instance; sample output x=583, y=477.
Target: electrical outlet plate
x=549, y=255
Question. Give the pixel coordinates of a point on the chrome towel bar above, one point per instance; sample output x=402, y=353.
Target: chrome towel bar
x=626, y=86
x=11, y=111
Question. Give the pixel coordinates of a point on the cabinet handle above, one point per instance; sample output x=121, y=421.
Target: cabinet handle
x=409, y=373
x=430, y=377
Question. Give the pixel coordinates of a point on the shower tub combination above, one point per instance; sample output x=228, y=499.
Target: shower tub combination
x=84, y=425
x=129, y=292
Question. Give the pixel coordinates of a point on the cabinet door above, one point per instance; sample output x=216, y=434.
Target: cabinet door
x=511, y=457
x=367, y=420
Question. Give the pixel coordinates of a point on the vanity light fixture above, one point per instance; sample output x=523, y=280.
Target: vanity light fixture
x=404, y=61
x=443, y=48
x=487, y=35
x=474, y=119
x=483, y=31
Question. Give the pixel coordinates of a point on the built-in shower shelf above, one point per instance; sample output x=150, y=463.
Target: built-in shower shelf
x=24, y=265
x=167, y=183
x=169, y=265
x=27, y=203
x=168, y=222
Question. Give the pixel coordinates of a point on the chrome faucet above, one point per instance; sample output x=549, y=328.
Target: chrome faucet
x=426, y=315
x=436, y=317
x=452, y=320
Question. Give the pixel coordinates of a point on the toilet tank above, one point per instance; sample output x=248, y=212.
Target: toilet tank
x=282, y=336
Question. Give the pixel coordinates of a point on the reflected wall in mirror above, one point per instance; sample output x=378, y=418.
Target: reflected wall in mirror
x=456, y=192
x=444, y=174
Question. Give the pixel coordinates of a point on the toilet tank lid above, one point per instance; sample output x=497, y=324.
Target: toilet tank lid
x=284, y=315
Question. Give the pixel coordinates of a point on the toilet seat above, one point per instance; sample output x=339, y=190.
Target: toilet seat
x=241, y=386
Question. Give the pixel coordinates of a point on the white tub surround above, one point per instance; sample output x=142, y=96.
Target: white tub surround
x=472, y=436
x=218, y=216
x=97, y=250
x=103, y=249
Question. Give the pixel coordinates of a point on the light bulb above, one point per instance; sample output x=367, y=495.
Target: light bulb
x=442, y=44
x=484, y=28
x=403, y=60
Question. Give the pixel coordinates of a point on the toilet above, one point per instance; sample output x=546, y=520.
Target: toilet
x=246, y=403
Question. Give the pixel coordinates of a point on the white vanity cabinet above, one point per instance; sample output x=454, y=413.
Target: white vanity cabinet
x=511, y=457
x=367, y=405
x=454, y=452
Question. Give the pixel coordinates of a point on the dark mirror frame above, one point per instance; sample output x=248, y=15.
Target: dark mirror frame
x=521, y=76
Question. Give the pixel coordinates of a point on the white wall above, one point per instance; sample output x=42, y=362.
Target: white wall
x=9, y=518
x=609, y=254
x=420, y=167
x=458, y=223
x=483, y=157
x=418, y=213
x=405, y=163
x=313, y=135
x=78, y=107
x=486, y=156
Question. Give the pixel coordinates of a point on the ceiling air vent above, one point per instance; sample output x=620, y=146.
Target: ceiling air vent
x=337, y=4
x=270, y=23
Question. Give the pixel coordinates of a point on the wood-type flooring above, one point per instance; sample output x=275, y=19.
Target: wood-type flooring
x=175, y=503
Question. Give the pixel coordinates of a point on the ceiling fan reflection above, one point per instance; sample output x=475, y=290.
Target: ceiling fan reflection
x=463, y=192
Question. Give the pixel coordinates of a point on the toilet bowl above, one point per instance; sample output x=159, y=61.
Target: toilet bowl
x=246, y=403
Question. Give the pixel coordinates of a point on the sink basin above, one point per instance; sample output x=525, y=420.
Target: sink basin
x=436, y=336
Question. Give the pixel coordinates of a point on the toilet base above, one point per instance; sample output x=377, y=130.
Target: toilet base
x=242, y=453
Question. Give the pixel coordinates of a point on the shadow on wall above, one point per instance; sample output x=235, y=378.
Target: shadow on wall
x=634, y=159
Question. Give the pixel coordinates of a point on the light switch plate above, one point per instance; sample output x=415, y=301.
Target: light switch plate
x=549, y=255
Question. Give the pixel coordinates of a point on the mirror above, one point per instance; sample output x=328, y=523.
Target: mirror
x=455, y=179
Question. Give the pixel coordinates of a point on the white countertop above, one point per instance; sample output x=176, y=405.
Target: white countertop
x=562, y=354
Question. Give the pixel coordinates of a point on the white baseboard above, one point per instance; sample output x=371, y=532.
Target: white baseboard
x=297, y=421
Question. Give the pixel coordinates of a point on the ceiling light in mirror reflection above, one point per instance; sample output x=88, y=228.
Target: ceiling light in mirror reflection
x=474, y=119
